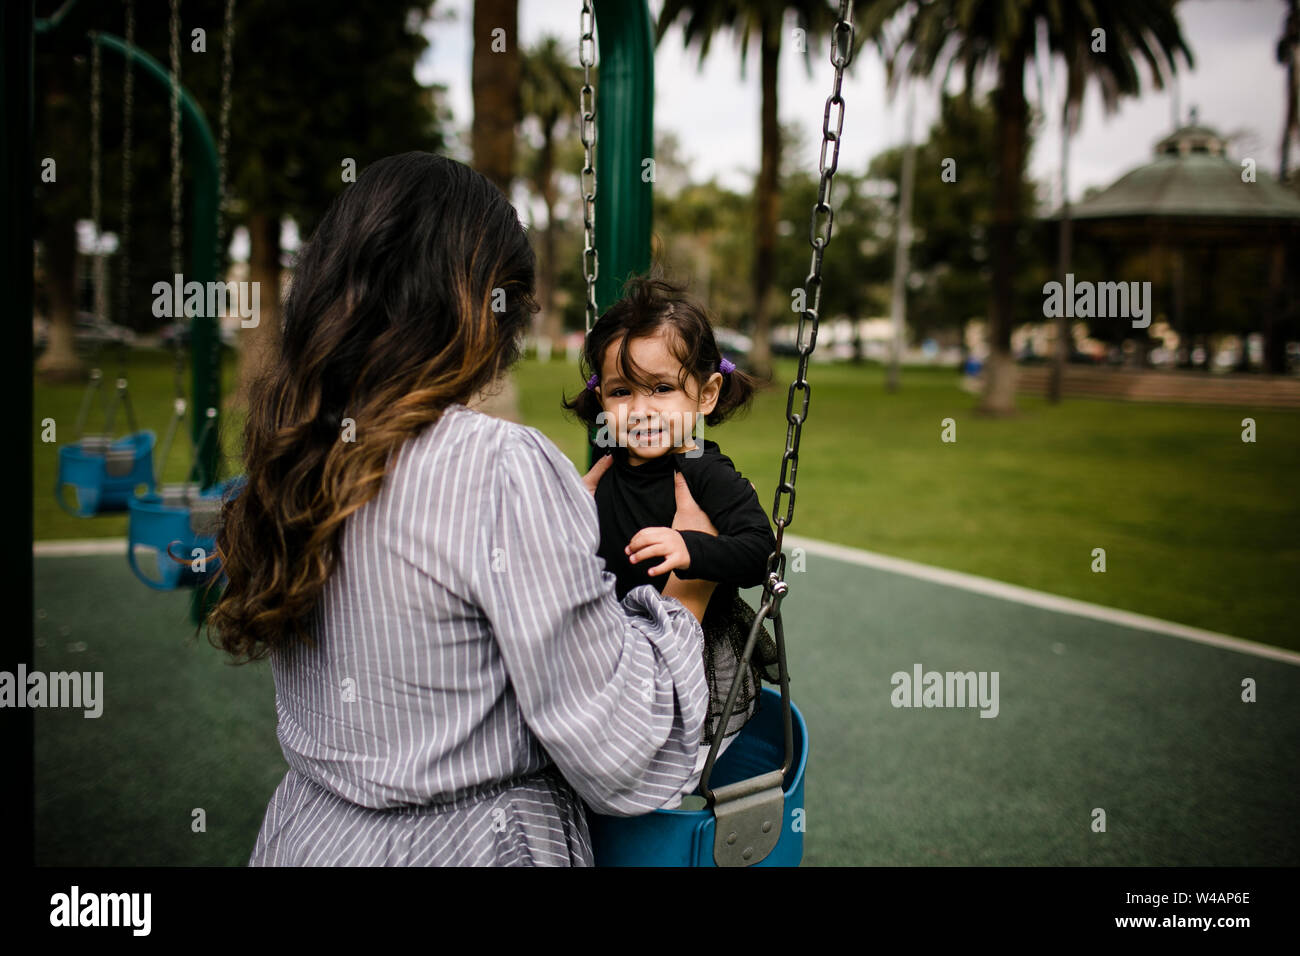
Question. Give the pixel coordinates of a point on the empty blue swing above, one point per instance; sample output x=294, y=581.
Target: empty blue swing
x=104, y=472
x=179, y=524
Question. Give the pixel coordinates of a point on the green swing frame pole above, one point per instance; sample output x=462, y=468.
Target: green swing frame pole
x=624, y=141
x=17, y=172
x=201, y=152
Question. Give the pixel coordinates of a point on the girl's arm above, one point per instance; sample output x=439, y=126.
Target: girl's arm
x=738, y=555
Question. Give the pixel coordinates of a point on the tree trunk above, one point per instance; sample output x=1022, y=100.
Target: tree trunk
x=1064, y=340
x=1288, y=47
x=1000, y=389
x=495, y=80
x=258, y=345
x=902, y=240
x=766, y=203
x=554, y=322
x=59, y=362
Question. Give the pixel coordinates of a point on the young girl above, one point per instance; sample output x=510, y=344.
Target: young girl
x=656, y=372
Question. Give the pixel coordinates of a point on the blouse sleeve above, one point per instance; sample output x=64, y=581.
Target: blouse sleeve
x=615, y=692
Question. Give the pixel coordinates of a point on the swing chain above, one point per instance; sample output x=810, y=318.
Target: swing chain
x=763, y=792
x=175, y=131
x=128, y=115
x=223, y=147
x=587, y=110
x=819, y=237
x=96, y=181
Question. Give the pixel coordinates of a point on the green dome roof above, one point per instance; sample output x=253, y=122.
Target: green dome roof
x=1191, y=176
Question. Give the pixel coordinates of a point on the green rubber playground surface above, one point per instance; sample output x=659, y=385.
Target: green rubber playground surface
x=1149, y=728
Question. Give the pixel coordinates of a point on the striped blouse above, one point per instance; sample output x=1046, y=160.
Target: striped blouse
x=474, y=679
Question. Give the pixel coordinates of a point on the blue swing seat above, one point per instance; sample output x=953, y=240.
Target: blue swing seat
x=686, y=837
x=170, y=525
x=105, y=474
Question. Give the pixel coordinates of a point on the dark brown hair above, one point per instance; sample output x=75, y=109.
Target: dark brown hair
x=649, y=303
x=411, y=295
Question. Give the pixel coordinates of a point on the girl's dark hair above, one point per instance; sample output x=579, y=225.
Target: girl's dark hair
x=413, y=294
x=649, y=303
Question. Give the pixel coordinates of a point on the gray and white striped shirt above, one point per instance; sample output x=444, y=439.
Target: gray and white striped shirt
x=474, y=674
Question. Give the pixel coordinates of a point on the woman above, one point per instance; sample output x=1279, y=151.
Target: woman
x=454, y=674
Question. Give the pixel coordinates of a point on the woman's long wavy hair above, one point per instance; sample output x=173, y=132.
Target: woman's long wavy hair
x=412, y=295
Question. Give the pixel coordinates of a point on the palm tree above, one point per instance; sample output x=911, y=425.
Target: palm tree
x=495, y=83
x=704, y=18
x=549, y=89
x=1287, y=45
x=1099, y=42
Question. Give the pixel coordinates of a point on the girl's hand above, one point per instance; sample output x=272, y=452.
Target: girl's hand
x=650, y=542
x=668, y=542
x=592, y=478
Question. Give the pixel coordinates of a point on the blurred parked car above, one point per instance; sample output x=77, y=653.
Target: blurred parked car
x=92, y=333
x=179, y=333
x=732, y=344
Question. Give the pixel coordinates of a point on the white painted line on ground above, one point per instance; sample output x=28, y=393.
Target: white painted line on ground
x=883, y=562
x=1041, y=599
x=78, y=548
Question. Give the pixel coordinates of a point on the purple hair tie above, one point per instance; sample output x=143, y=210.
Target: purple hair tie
x=725, y=366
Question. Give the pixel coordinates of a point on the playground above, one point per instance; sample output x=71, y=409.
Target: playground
x=1013, y=630
x=1117, y=690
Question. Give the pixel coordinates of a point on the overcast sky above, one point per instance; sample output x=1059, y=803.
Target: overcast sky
x=1236, y=85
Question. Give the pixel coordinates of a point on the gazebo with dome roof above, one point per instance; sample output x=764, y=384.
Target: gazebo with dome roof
x=1193, y=200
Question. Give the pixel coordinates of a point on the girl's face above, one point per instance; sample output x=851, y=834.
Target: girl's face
x=659, y=420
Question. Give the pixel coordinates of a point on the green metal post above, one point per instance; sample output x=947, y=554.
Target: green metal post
x=624, y=142
x=624, y=147
x=17, y=175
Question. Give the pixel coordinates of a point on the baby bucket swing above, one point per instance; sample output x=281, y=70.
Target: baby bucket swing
x=106, y=472
x=754, y=792
x=178, y=523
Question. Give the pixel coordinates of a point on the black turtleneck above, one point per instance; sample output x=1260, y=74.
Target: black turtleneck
x=631, y=497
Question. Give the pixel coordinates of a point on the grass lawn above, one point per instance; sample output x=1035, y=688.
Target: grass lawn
x=1197, y=526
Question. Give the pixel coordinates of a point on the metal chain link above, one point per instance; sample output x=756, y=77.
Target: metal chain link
x=819, y=236
x=96, y=179
x=587, y=111
x=175, y=49
x=223, y=146
x=128, y=118
x=93, y=390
